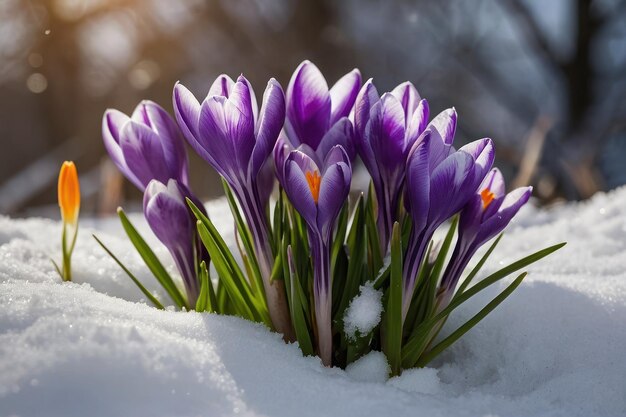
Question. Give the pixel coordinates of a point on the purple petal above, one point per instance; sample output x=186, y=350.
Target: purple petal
x=187, y=112
x=483, y=153
x=167, y=214
x=304, y=161
x=239, y=119
x=341, y=133
x=494, y=182
x=418, y=182
x=386, y=132
x=143, y=153
x=214, y=144
x=343, y=94
x=364, y=102
x=282, y=149
x=265, y=181
x=308, y=105
x=157, y=119
x=445, y=123
x=336, y=155
x=271, y=120
x=334, y=189
x=253, y=103
x=417, y=124
x=221, y=86
x=409, y=98
x=449, y=190
x=112, y=123
x=297, y=187
x=511, y=204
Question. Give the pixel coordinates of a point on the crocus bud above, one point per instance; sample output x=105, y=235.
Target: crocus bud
x=166, y=212
x=69, y=193
x=146, y=146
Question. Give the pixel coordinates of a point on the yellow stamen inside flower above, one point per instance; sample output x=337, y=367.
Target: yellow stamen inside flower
x=487, y=196
x=69, y=192
x=314, y=179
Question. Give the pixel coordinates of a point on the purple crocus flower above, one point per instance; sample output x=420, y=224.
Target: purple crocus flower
x=386, y=128
x=318, y=116
x=317, y=192
x=167, y=213
x=145, y=146
x=440, y=182
x=486, y=214
x=235, y=138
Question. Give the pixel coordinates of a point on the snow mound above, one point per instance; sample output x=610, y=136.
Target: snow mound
x=94, y=348
x=364, y=312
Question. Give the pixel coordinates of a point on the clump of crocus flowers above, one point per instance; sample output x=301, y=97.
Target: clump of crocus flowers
x=305, y=252
x=69, y=204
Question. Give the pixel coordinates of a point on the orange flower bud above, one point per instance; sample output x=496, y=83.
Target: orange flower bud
x=69, y=192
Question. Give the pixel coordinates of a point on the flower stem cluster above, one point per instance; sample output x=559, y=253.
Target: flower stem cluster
x=305, y=254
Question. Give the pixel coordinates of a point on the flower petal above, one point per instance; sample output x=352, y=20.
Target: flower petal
x=239, y=119
x=112, y=123
x=386, y=132
x=214, y=144
x=187, y=112
x=483, y=153
x=297, y=189
x=449, y=190
x=445, y=123
x=221, y=86
x=308, y=106
x=418, y=182
x=409, y=98
x=343, y=94
x=272, y=118
x=143, y=153
x=494, y=182
x=417, y=124
x=362, y=106
x=157, y=119
x=511, y=204
x=281, y=151
x=334, y=189
x=341, y=133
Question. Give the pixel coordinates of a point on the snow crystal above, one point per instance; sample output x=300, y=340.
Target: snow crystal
x=94, y=348
x=364, y=311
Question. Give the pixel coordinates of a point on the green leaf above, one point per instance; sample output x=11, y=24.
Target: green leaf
x=478, y=266
x=250, y=260
x=151, y=260
x=57, y=269
x=357, y=250
x=376, y=257
x=143, y=289
x=393, y=311
x=204, y=299
x=340, y=234
x=444, y=344
x=443, y=252
x=416, y=343
x=296, y=308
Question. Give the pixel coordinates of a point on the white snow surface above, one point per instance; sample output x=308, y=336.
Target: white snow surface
x=364, y=312
x=556, y=347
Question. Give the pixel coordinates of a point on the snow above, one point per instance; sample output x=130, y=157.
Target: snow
x=93, y=347
x=363, y=313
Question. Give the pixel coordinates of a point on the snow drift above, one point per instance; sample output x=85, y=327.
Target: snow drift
x=556, y=347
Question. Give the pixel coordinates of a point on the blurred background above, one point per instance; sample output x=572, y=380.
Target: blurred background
x=545, y=79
